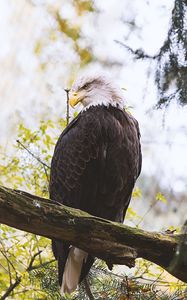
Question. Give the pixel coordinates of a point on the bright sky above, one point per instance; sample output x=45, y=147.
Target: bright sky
x=26, y=93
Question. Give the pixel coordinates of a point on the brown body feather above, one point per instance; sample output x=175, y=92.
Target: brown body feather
x=96, y=162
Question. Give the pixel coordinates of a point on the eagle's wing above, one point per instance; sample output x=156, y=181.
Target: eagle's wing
x=73, y=180
x=139, y=156
x=77, y=151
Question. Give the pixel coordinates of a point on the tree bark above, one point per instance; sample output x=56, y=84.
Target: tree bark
x=113, y=242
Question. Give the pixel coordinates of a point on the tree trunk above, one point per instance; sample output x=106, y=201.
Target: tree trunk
x=113, y=242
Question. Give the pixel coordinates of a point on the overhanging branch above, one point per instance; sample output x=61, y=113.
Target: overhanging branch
x=115, y=243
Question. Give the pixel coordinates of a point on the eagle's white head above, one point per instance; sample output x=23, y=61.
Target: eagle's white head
x=93, y=90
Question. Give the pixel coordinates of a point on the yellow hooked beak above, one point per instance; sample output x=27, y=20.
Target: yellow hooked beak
x=74, y=99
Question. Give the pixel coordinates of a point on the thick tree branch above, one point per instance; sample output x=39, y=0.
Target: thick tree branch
x=115, y=243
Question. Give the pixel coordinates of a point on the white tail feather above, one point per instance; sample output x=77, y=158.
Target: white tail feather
x=72, y=270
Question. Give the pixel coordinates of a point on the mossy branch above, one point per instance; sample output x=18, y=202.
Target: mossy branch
x=113, y=242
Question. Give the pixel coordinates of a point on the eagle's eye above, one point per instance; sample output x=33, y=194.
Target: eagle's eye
x=85, y=86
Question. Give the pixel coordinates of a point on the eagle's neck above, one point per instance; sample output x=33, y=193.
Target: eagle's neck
x=103, y=98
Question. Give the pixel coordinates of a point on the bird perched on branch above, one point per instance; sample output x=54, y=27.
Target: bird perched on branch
x=96, y=162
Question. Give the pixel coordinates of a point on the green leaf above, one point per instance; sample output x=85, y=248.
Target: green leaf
x=161, y=197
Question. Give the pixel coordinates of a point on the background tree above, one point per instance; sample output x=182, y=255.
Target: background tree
x=172, y=59
x=171, y=65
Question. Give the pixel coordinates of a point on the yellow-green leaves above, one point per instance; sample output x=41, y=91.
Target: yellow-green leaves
x=68, y=31
x=137, y=193
x=83, y=6
x=38, y=48
x=71, y=30
x=160, y=197
x=132, y=215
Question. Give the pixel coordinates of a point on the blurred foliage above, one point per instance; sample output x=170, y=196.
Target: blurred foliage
x=27, y=169
x=73, y=30
x=83, y=6
x=26, y=261
x=171, y=75
x=69, y=32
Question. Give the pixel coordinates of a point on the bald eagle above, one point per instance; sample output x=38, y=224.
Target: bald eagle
x=96, y=162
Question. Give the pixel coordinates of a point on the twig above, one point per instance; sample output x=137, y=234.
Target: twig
x=139, y=53
x=67, y=106
x=11, y=288
x=30, y=267
x=32, y=154
x=8, y=262
x=3, y=268
x=127, y=287
x=40, y=258
x=42, y=265
x=88, y=290
x=147, y=212
x=37, y=158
